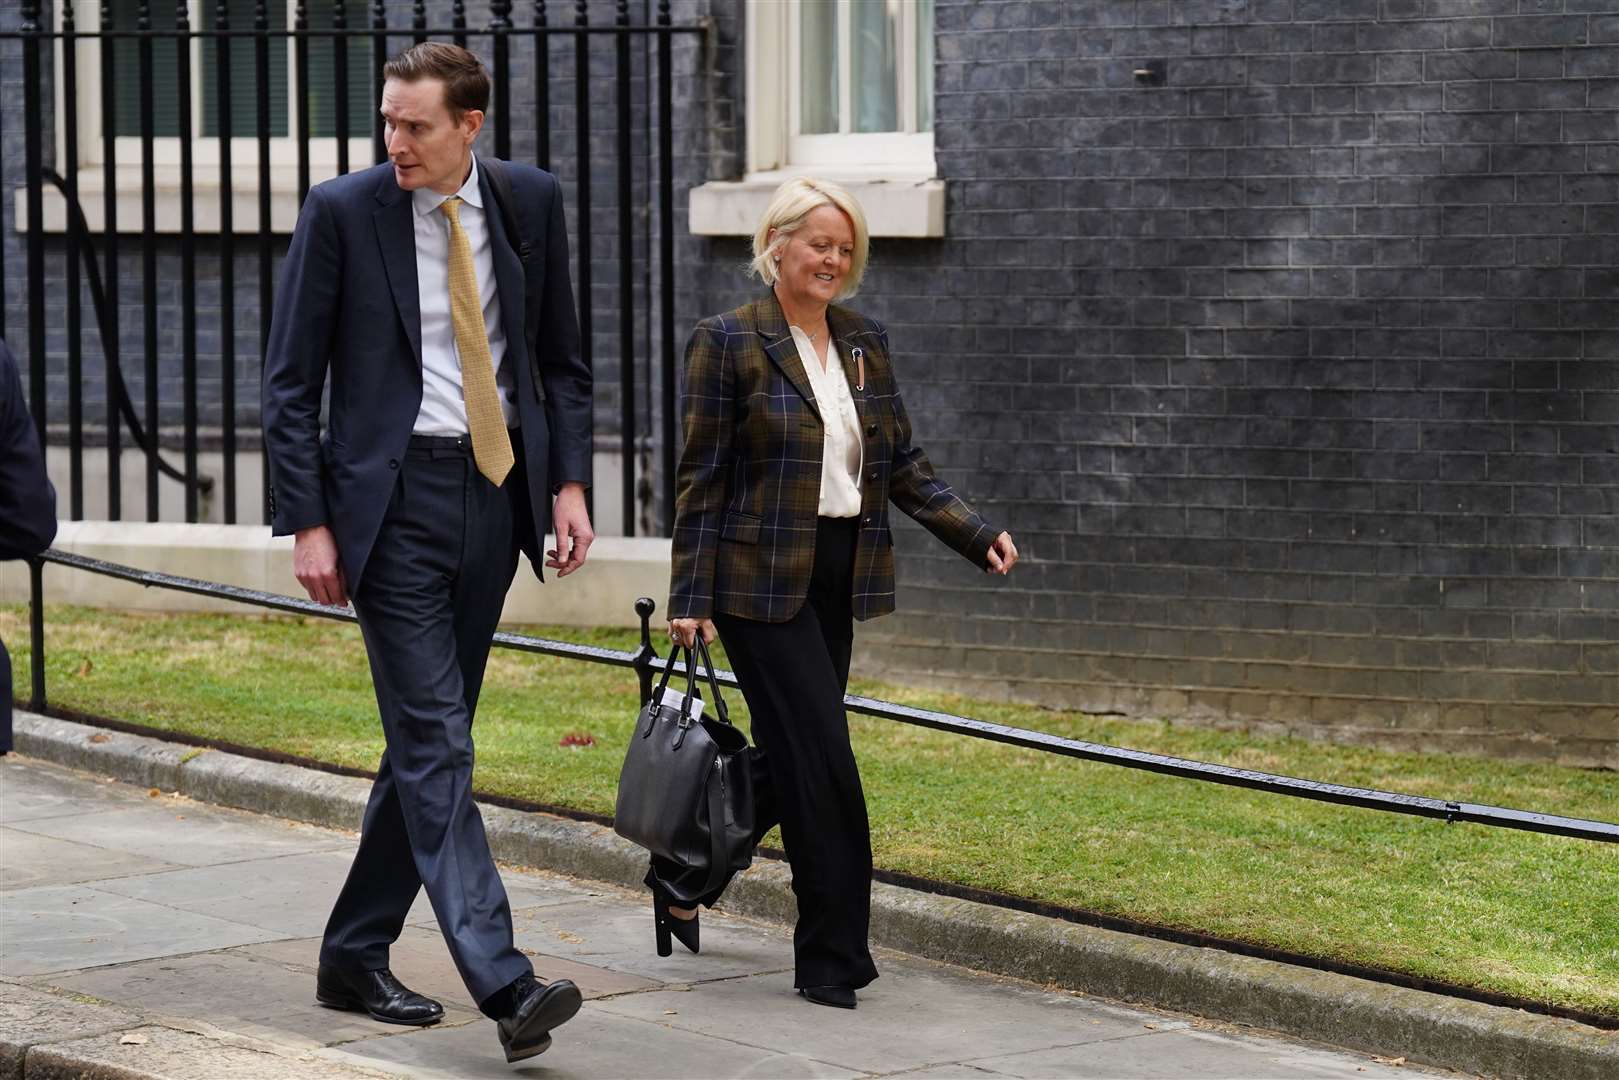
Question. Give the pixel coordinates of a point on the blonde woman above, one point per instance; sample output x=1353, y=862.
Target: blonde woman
x=796, y=441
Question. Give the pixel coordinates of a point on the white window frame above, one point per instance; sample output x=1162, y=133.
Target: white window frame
x=893, y=174
x=166, y=154
x=773, y=78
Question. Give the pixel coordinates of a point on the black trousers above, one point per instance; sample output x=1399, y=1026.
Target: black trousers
x=428, y=607
x=793, y=676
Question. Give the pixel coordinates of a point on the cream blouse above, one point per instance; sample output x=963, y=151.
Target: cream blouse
x=841, y=456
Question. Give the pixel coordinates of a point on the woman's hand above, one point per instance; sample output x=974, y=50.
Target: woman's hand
x=1002, y=555
x=684, y=631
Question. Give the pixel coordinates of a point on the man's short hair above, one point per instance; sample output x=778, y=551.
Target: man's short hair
x=465, y=79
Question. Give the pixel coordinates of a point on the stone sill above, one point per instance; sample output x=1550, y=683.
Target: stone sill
x=895, y=206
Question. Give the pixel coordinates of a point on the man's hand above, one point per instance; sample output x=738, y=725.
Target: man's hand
x=571, y=523
x=315, y=564
x=1002, y=555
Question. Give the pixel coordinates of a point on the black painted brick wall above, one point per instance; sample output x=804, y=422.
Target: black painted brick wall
x=1296, y=374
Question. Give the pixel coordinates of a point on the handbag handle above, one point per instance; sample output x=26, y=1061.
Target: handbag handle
x=663, y=684
x=713, y=683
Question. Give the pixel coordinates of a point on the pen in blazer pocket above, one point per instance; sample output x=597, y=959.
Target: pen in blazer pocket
x=860, y=368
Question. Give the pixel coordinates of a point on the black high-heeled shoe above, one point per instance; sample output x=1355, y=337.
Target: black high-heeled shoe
x=666, y=925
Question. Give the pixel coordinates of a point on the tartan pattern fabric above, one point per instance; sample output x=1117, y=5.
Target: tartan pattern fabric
x=749, y=478
x=486, y=423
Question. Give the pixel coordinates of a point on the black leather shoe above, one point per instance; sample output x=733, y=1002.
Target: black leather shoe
x=377, y=994
x=839, y=997
x=541, y=1007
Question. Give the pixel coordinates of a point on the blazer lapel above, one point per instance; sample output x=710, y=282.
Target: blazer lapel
x=508, y=272
x=396, y=235
x=780, y=347
x=841, y=329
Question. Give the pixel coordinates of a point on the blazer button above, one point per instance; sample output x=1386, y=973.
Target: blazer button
x=872, y=475
x=865, y=521
x=871, y=429
x=393, y=463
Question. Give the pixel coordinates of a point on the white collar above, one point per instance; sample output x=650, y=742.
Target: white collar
x=427, y=201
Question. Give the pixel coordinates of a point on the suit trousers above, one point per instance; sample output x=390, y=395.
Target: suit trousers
x=428, y=607
x=793, y=676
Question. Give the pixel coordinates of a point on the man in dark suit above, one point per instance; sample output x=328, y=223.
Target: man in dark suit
x=459, y=409
x=27, y=500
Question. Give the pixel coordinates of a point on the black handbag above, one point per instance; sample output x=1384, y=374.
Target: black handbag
x=686, y=790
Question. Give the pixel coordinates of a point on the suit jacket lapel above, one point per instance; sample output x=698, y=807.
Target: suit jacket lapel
x=508, y=273
x=780, y=347
x=842, y=328
x=396, y=235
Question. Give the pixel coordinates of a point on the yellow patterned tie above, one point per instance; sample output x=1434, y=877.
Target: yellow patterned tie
x=486, y=423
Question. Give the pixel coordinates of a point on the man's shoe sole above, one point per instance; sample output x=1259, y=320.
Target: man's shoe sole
x=557, y=1009
x=349, y=1003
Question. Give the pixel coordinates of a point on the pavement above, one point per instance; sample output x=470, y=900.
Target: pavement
x=143, y=933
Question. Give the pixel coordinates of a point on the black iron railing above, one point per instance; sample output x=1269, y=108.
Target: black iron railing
x=647, y=664
x=164, y=46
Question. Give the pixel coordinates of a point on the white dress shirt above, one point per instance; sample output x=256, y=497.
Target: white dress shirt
x=444, y=409
x=842, y=453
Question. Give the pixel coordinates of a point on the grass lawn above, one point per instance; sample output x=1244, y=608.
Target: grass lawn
x=1520, y=913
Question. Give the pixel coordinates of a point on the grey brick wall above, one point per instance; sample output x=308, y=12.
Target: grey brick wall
x=1295, y=374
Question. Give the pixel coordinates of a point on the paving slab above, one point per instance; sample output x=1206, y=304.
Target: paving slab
x=174, y=1054
x=1178, y=1052
x=616, y=932
x=912, y=1016
x=28, y=861
x=29, y=1016
x=29, y=793
x=230, y=990
x=68, y=927
x=178, y=830
x=594, y=1045
x=422, y=962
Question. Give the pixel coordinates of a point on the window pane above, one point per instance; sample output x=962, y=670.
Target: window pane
x=874, y=33
x=126, y=119
x=322, y=77
x=244, y=109
x=924, y=65
x=818, y=67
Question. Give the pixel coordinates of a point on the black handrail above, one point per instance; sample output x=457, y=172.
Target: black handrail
x=646, y=662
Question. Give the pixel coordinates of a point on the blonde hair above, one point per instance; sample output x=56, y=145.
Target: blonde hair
x=791, y=204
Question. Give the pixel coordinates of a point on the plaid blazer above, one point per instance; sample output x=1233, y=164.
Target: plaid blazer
x=749, y=478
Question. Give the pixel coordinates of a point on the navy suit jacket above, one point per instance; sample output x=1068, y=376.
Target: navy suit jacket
x=27, y=500
x=349, y=312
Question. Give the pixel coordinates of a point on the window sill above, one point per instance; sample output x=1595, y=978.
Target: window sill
x=895, y=206
x=205, y=202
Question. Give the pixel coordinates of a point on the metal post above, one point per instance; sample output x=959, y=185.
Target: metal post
x=626, y=267
x=188, y=261
x=300, y=91
x=542, y=88
x=644, y=656
x=75, y=343
x=148, y=117
x=112, y=371
x=36, y=632
x=666, y=253
x=33, y=138
x=227, y=259
x=340, y=76
x=500, y=24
